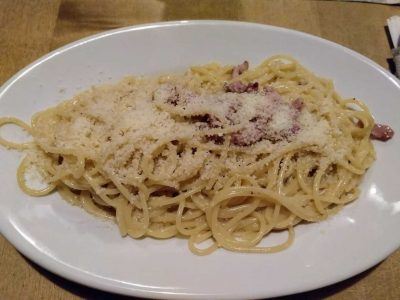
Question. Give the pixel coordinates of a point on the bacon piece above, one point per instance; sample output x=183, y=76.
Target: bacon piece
x=239, y=69
x=252, y=87
x=240, y=87
x=381, y=132
x=252, y=134
x=360, y=124
x=246, y=137
x=235, y=87
x=295, y=128
x=212, y=121
x=298, y=104
x=167, y=191
x=218, y=140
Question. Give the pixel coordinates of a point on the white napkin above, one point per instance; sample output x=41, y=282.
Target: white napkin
x=394, y=30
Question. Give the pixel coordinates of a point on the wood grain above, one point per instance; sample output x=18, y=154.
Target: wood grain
x=30, y=29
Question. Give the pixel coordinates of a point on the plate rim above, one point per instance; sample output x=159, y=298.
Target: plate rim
x=24, y=246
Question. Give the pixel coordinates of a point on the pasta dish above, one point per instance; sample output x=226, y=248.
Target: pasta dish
x=220, y=155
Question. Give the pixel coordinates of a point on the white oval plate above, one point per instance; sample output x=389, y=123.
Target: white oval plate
x=71, y=243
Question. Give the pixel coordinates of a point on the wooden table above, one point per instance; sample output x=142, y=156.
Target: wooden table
x=30, y=29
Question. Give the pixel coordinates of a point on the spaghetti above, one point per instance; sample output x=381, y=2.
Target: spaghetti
x=220, y=154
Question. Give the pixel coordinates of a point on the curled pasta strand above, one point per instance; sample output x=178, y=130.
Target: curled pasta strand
x=22, y=169
x=21, y=124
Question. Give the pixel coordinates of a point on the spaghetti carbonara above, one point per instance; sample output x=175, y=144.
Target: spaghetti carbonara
x=221, y=155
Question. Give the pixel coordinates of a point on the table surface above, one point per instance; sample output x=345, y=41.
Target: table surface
x=32, y=28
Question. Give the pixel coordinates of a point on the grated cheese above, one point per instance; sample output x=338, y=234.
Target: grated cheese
x=114, y=121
